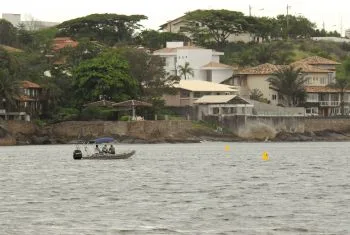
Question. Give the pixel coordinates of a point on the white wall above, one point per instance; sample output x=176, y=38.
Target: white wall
x=15, y=19
x=220, y=75
x=260, y=82
x=196, y=58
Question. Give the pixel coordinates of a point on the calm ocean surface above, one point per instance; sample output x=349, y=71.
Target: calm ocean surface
x=178, y=189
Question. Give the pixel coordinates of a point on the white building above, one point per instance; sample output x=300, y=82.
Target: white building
x=14, y=19
x=32, y=24
x=204, y=62
x=347, y=33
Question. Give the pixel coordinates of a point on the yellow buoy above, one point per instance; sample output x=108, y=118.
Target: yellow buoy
x=227, y=148
x=265, y=156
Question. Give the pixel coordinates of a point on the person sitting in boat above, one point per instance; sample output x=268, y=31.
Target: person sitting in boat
x=105, y=149
x=111, y=149
x=97, y=149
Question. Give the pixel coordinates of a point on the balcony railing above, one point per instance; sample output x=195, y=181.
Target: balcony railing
x=330, y=103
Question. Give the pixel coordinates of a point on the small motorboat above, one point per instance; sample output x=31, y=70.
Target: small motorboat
x=108, y=156
x=89, y=154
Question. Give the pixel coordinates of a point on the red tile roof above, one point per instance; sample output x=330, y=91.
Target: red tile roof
x=28, y=84
x=317, y=60
x=62, y=42
x=307, y=68
x=262, y=69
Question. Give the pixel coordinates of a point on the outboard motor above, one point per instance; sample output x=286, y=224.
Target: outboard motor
x=77, y=154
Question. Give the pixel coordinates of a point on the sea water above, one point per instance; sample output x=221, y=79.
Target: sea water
x=206, y=188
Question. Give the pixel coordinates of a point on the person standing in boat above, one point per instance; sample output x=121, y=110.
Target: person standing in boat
x=111, y=149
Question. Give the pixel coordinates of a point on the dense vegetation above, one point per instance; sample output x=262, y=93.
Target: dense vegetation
x=113, y=59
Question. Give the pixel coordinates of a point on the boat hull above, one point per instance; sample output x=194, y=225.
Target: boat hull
x=104, y=156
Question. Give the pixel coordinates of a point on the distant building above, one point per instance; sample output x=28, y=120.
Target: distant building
x=178, y=24
x=32, y=25
x=14, y=19
x=347, y=33
x=332, y=39
x=204, y=62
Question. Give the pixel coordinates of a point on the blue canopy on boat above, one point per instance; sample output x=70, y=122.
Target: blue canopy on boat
x=103, y=140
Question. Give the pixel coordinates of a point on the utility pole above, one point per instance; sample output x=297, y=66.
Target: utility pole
x=287, y=18
x=341, y=26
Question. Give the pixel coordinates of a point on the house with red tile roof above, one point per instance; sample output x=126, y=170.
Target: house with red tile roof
x=62, y=42
x=319, y=74
x=30, y=98
x=28, y=103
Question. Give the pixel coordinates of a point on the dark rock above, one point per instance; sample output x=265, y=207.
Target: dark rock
x=41, y=140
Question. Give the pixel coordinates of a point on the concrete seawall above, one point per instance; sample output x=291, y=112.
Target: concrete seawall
x=245, y=127
x=73, y=130
x=261, y=127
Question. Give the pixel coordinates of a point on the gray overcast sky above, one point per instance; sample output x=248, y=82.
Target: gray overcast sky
x=332, y=13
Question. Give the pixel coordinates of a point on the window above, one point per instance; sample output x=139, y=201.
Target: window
x=184, y=94
x=196, y=94
x=216, y=110
x=274, y=97
x=323, y=80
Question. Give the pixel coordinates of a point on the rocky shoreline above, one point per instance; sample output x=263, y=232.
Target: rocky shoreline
x=167, y=132
x=280, y=137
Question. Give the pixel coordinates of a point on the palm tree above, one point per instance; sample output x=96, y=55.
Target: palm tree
x=186, y=70
x=9, y=88
x=290, y=83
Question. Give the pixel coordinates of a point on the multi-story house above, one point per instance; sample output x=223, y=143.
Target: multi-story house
x=319, y=74
x=204, y=62
x=30, y=99
x=177, y=25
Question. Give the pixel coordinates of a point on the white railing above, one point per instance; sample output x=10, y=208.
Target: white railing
x=329, y=103
x=312, y=100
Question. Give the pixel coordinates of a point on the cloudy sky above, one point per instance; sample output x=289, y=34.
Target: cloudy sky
x=334, y=13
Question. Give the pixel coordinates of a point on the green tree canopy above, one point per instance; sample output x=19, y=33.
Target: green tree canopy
x=7, y=33
x=154, y=40
x=215, y=25
x=107, y=75
x=9, y=88
x=149, y=71
x=106, y=28
x=289, y=82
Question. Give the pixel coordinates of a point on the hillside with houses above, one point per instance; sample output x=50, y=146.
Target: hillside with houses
x=83, y=70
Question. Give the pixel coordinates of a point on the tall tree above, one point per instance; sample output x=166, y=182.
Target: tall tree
x=289, y=82
x=218, y=25
x=108, y=75
x=7, y=33
x=149, y=71
x=186, y=70
x=107, y=28
x=154, y=40
x=9, y=89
